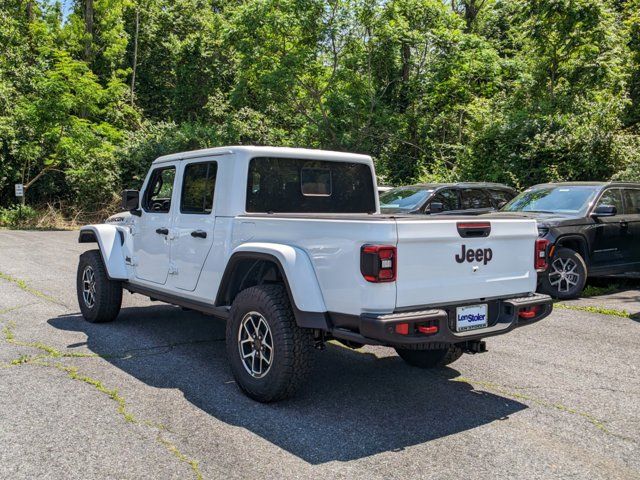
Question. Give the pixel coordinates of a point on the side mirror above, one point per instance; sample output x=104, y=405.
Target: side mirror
x=605, y=211
x=501, y=204
x=436, y=207
x=130, y=200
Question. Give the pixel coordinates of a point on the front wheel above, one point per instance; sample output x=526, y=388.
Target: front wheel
x=567, y=275
x=270, y=355
x=433, y=358
x=99, y=298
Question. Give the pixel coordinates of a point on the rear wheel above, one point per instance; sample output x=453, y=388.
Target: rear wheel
x=270, y=355
x=99, y=298
x=430, y=358
x=567, y=275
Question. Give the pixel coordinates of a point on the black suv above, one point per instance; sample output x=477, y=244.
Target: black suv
x=593, y=229
x=446, y=198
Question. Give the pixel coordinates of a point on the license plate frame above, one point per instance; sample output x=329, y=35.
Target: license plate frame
x=474, y=317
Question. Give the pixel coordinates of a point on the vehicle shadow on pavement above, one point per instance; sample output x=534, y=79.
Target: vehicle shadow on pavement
x=355, y=404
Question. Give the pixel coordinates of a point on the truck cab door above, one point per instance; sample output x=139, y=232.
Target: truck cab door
x=609, y=250
x=151, y=239
x=193, y=227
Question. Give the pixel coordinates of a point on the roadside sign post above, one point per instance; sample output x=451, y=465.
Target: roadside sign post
x=20, y=190
x=20, y=195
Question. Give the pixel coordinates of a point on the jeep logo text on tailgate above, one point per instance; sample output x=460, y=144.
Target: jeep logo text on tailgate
x=479, y=255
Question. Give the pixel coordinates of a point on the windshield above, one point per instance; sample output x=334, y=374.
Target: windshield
x=553, y=199
x=404, y=198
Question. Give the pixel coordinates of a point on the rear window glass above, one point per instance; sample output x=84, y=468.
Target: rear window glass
x=198, y=188
x=315, y=181
x=292, y=185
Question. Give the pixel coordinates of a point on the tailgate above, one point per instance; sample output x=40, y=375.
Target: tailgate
x=437, y=265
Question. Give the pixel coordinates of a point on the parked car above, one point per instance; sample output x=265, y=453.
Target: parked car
x=286, y=245
x=447, y=198
x=593, y=229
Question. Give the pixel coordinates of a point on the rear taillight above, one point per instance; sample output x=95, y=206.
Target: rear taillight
x=378, y=263
x=530, y=312
x=540, y=260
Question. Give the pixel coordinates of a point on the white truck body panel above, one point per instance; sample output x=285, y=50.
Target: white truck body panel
x=428, y=273
x=111, y=248
x=335, y=261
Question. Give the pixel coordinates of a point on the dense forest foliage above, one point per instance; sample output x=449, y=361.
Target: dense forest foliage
x=504, y=90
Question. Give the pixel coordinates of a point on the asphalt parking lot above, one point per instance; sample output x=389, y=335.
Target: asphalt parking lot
x=151, y=396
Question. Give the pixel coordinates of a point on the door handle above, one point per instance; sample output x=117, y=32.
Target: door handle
x=162, y=231
x=624, y=223
x=199, y=234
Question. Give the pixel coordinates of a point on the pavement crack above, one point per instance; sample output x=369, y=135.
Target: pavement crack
x=599, y=424
x=128, y=354
x=4, y=311
x=49, y=360
x=22, y=285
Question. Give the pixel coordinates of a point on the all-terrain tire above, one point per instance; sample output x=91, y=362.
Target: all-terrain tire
x=432, y=358
x=103, y=304
x=292, y=346
x=561, y=289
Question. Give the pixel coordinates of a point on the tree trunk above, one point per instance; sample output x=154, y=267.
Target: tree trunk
x=88, y=23
x=471, y=10
x=29, y=10
x=406, y=74
x=135, y=57
x=406, y=59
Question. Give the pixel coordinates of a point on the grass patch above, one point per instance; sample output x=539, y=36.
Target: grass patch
x=602, y=311
x=22, y=285
x=594, y=291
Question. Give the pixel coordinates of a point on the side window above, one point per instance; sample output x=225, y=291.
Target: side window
x=499, y=197
x=198, y=186
x=157, y=196
x=473, y=198
x=631, y=201
x=611, y=198
x=448, y=198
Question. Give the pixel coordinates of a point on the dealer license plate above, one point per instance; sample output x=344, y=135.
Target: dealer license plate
x=471, y=317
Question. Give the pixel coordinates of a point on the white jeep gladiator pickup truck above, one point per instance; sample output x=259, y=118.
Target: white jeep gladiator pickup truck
x=288, y=246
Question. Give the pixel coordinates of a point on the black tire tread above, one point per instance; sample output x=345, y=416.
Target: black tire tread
x=432, y=358
x=108, y=292
x=296, y=360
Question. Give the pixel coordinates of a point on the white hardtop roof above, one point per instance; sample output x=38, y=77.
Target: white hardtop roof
x=251, y=151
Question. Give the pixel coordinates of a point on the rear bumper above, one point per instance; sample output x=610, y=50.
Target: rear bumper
x=381, y=329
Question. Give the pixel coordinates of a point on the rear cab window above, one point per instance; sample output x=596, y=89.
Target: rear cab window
x=293, y=185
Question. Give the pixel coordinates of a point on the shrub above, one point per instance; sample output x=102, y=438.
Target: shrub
x=18, y=216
